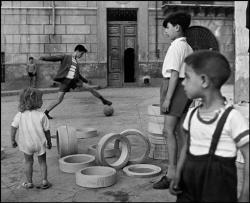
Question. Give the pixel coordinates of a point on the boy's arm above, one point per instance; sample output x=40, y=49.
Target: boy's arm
x=174, y=186
x=35, y=68
x=171, y=88
x=244, y=196
x=48, y=138
x=13, y=136
x=52, y=58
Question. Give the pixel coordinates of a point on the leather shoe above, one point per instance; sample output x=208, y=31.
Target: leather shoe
x=163, y=183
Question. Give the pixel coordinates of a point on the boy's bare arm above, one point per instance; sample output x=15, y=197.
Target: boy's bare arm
x=13, y=136
x=52, y=58
x=244, y=196
x=171, y=88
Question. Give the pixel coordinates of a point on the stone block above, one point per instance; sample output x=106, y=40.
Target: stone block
x=93, y=29
x=12, y=48
x=15, y=19
x=57, y=19
x=93, y=48
x=73, y=39
x=78, y=29
x=91, y=3
x=55, y=39
x=6, y=4
x=72, y=19
x=78, y=12
x=31, y=48
x=91, y=38
x=51, y=48
x=12, y=39
x=91, y=56
x=16, y=3
x=19, y=58
x=91, y=20
x=35, y=19
x=59, y=29
x=60, y=3
x=31, y=29
x=10, y=29
x=76, y=3
x=31, y=3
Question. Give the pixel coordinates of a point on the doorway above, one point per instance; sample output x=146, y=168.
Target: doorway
x=122, y=47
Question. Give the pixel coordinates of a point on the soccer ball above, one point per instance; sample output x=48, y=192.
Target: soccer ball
x=108, y=110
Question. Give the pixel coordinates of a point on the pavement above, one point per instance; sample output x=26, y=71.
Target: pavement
x=81, y=110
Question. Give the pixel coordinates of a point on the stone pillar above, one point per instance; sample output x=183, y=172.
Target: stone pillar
x=241, y=88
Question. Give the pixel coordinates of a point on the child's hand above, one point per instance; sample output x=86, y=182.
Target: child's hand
x=166, y=106
x=174, y=188
x=49, y=145
x=41, y=58
x=14, y=143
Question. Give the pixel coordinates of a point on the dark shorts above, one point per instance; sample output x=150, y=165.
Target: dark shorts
x=179, y=104
x=31, y=74
x=67, y=84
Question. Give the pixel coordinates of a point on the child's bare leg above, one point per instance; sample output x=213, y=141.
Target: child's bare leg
x=97, y=94
x=28, y=167
x=43, y=166
x=170, y=123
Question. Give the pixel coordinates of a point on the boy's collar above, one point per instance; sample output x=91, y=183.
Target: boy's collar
x=179, y=39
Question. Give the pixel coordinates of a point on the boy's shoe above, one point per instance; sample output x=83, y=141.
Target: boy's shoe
x=106, y=102
x=44, y=186
x=27, y=185
x=163, y=183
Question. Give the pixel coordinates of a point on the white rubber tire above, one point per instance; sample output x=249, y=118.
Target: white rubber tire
x=145, y=139
x=96, y=177
x=75, y=162
x=108, y=152
x=124, y=155
x=66, y=141
x=151, y=170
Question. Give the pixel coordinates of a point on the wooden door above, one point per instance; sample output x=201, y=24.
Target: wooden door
x=121, y=36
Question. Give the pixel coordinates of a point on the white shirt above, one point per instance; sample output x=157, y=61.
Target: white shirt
x=234, y=134
x=31, y=125
x=72, y=70
x=174, y=59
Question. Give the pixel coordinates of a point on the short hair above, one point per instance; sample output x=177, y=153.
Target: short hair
x=30, y=98
x=80, y=48
x=181, y=18
x=211, y=63
x=31, y=57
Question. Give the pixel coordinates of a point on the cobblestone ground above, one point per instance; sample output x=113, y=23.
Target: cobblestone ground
x=81, y=110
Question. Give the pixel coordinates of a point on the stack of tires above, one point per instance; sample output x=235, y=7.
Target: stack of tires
x=158, y=143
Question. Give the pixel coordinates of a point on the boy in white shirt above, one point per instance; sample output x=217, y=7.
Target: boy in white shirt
x=173, y=101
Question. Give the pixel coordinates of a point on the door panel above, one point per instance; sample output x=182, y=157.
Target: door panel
x=121, y=36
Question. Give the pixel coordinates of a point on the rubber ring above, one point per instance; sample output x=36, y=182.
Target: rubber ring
x=136, y=132
x=75, y=162
x=143, y=170
x=96, y=177
x=125, y=150
x=66, y=141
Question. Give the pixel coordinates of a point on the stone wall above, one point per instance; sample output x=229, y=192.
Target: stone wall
x=27, y=30
x=241, y=89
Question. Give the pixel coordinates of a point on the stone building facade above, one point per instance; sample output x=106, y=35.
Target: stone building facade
x=125, y=39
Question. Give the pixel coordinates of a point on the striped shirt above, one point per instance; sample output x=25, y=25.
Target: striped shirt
x=234, y=135
x=72, y=71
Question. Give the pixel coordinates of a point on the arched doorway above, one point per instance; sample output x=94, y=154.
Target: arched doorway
x=199, y=37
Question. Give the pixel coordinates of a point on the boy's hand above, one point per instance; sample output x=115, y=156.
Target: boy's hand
x=174, y=188
x=166, y=106
x=41, y=58
x=14, y=143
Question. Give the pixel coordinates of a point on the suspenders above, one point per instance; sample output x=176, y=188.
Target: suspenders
x=217, y=132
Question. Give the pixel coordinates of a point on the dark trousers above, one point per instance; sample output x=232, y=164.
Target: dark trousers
x=206, y=179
